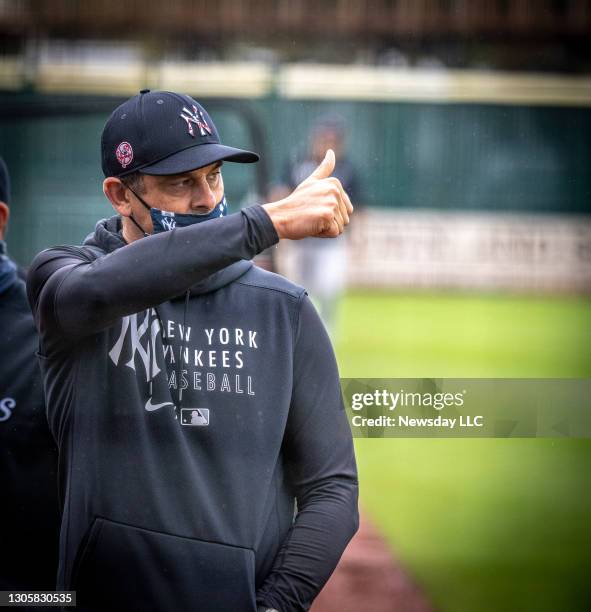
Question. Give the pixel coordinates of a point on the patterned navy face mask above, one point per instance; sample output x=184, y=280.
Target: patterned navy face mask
x=164, y=221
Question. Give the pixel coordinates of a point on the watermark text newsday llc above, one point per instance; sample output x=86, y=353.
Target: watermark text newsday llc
x=499, y=408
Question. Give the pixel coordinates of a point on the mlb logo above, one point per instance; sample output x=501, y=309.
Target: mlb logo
x=197, y=417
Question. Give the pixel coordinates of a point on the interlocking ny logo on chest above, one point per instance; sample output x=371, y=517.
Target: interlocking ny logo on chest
x=176, y=359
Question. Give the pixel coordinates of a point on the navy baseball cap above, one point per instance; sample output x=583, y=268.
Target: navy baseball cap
x=161, y=132
x=4, y=183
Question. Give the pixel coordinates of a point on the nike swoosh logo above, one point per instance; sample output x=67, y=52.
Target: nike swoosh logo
x=150, y=406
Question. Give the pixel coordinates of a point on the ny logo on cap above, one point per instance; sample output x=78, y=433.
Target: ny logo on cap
x=196, y=117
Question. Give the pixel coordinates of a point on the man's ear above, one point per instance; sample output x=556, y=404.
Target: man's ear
x=118, y=194
x=4, y=214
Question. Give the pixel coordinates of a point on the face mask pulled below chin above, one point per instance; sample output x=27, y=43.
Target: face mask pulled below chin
x=164, y=221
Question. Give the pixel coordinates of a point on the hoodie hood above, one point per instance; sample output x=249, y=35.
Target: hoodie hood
x=108, y=237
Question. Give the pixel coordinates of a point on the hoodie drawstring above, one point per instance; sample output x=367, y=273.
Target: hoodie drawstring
x=183, y=346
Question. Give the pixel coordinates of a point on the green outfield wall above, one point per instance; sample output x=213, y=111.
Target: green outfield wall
x=492, y=157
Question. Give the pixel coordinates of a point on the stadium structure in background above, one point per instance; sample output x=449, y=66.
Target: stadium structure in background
x=469, y=121
x=502, y=34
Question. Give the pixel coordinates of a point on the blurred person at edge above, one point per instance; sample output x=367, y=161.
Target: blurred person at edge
x=29, y=515
x=195, y=396
x=319, y=265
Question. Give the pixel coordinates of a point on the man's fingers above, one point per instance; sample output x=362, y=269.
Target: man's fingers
x=328, y=225
x=343, y=207
x=331, y=230
x=338, y=217
x=338, y=231
x=348, y=204
x=344, y=201
x=325, y=168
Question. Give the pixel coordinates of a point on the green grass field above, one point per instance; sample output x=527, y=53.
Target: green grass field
x=482, y=524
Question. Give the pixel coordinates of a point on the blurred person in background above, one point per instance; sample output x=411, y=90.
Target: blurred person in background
x=319, y=265
x=196, y=397
x=29, y=516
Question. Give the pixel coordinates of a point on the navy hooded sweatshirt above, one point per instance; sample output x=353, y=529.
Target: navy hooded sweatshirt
x=29, y=514
x=196, y=402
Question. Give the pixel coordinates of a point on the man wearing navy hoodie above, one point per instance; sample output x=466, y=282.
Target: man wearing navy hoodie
x=29, y=513
x=206, y=462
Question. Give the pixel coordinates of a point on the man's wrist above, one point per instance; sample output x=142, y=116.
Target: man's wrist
x=276, y=217
x=269, y=235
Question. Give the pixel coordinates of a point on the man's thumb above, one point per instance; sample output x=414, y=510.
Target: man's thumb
x=326, y=166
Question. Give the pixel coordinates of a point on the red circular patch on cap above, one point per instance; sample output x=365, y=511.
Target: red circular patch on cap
x=124, y=154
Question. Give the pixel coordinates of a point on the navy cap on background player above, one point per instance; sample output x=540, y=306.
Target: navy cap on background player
x=4, y=183
x=161, y=132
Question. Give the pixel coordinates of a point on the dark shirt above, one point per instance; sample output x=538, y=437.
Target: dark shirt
x=195, y=398
x=29, y=515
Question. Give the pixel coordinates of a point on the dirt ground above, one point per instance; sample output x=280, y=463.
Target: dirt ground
x=370, y=579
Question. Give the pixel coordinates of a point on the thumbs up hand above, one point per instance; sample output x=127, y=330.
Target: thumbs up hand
x=318, y=206
x=324, y=169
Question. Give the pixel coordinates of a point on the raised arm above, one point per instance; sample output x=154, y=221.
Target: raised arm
x=79, y=296
x=74, y=294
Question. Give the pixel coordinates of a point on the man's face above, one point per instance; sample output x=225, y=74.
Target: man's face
x=195, y=192
x=326, y=138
